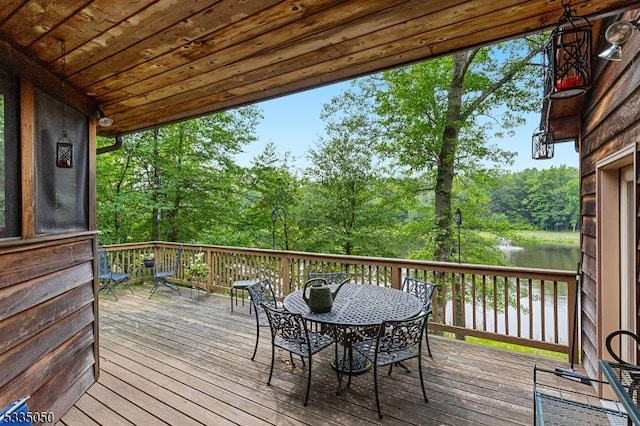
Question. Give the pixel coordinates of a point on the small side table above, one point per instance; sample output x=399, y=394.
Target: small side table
x=240, y=285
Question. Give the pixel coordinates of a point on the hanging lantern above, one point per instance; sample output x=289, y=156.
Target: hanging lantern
x=64, y=147
x=64, y=152
x=568, y=55
x=542, y=144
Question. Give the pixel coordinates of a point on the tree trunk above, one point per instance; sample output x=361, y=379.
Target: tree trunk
x=446, y=161
x=155, y=213
x=173, y=213
x=444, y=182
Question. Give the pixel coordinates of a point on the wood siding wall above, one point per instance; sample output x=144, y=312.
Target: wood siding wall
x=48, y=284
x=48, y=344
x=610, y=123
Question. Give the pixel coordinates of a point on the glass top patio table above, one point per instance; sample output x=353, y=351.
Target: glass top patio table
x=359, y=305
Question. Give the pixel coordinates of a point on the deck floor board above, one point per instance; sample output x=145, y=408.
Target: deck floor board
x=175, y=360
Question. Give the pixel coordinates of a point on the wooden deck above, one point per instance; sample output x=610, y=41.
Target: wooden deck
x=175, y=360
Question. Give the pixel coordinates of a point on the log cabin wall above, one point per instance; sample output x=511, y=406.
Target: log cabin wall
x=610, y=125
x=47, y=321
x=48, y=283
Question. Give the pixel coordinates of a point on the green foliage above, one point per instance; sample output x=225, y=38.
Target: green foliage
x=272, y=188
x=196, y=267
x=173, y=182
x=431, y=122
x=517, y=348
x=547, y=199
x=348, y=206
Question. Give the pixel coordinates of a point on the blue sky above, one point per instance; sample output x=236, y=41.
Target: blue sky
x=293, y=124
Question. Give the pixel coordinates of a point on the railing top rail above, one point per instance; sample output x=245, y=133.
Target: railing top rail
x=462, y=268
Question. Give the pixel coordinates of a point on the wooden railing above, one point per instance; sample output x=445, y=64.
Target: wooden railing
x=529, y=307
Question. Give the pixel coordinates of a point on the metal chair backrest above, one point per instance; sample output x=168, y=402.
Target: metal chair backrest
x=104, y=267
x=329, y=277
x=286, y=326
x=396, y=336
x=262, y=293
x=421, y=289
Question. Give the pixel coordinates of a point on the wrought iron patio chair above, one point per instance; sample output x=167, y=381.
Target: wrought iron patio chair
x=109, y=278
x=262, y=293
x=423, y=291
x=161, y=273
x=289, y=332
x=396, y=341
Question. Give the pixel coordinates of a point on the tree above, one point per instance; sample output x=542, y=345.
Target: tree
x=177, y=182
x=554, y=199
x=545, y=199
x=433, y=120
x=348, y=207
x=438, y=115
x=274, y=189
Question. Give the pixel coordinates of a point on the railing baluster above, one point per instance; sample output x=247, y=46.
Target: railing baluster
x=473, y=302
x=484, y=302
x=518, y=309
x=506, y=305
x=555, y=311
x=543, y=312
x=495, y=304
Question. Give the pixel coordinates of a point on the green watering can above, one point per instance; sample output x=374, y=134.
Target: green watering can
x=320, y=297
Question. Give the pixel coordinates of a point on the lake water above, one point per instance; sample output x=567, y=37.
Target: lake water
x=546, y=256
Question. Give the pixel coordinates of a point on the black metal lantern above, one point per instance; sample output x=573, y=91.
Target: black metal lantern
x=568, y=55
x=64, y=152
x=542, y=143
x=457, y=217
x=64, y=147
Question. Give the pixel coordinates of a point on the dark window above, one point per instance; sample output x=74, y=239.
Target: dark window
x=10, y=161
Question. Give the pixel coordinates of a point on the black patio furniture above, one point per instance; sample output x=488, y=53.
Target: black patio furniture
x=289, y=332
x=396, y=341
x=261, y=294
x=162, y=271
x=240, y=286
x=424, y=291
x=109, y=278
x=356, y=309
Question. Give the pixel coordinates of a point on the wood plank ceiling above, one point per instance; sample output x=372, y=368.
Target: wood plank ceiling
x=150, y=62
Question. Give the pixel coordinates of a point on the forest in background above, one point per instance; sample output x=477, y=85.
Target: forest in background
x=163, y=185
x=402, y=150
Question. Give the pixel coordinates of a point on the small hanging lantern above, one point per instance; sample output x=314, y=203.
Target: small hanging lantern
x=542, y=143
x=64, y=152
x=568, y=54
x=64, y=147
